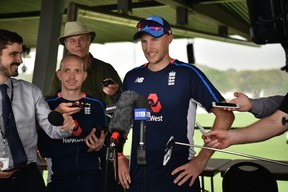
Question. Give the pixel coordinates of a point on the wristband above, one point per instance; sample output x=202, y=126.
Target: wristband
x=77, y=129
x=120, y=156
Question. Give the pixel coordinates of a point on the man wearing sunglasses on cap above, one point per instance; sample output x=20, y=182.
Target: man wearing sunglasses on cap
x=173, y=89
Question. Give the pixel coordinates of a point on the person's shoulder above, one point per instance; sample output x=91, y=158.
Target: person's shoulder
x=100, y=62
x=24, y=83
x=52, y=98
x=139, y=68
x=20, y=81
x=179, y=63
x=95, y=100
x=182, y=65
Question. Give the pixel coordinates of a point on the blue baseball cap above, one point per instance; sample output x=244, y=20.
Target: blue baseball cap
x=154, y=26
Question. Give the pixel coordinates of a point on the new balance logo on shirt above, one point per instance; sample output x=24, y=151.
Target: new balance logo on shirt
x=139, y=80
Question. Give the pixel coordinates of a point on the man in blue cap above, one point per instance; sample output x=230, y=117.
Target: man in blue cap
x=174, y=89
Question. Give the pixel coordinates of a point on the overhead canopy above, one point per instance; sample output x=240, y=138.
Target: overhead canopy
x=41, y=22
x=115, y=21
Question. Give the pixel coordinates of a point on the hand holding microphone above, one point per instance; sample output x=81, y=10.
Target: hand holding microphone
x=65, y=121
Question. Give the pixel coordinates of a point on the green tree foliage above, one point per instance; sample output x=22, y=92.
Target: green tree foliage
x=219, y=78
x=258, y=83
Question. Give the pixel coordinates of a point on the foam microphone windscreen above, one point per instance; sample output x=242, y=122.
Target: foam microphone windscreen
x=122, y=118
x=56, y=118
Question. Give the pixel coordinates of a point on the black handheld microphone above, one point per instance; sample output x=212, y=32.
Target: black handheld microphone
x=121, y=122
x=142, y=114
x=57, y=119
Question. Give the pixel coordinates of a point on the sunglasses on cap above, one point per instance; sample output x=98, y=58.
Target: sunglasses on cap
x=152, y=25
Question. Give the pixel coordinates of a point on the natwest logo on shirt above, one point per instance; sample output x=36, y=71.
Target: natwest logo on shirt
x=155, y=106
x=154, y=102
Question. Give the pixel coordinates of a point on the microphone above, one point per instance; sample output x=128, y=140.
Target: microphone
x=57, y=119
x=142, y=114
x=121, y=122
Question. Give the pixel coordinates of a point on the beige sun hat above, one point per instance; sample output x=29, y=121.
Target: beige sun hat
x=75, y=28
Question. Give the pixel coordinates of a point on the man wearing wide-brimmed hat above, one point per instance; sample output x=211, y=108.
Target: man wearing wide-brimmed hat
x=77, y=39
x=75, y=28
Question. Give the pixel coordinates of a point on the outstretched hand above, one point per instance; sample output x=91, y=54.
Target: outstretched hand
x=244, y=102
x=218, y=139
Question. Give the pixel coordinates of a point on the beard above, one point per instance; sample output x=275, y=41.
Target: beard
x=9, y=72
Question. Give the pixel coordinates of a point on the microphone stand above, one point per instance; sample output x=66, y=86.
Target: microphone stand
x=143, y=115
x=171, y=142
x=141, y=152
x=111, y=150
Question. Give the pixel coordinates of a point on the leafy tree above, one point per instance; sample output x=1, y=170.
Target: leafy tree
x=258, y=83
x=220, y=79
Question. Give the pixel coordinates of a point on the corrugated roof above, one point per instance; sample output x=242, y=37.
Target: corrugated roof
x=213, y=19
